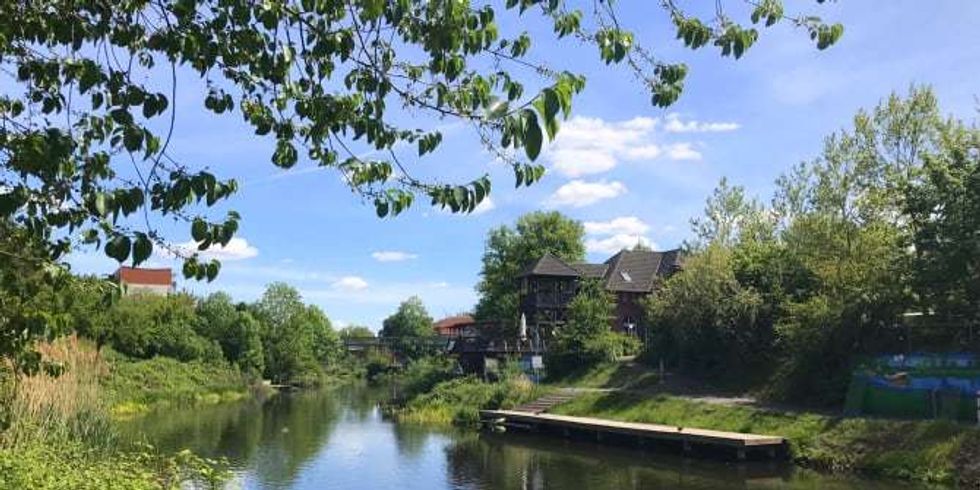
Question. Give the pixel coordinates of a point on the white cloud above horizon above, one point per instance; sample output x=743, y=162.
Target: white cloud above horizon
x=615, y=243
x=674, y=124
x=587, y=145
x=579, y=193
x=591, y=145
x=624, y=224
x=683, y=151
x=485, y=205
x=350, y=284
x=392, y=256
x=609, y=237
x=236, y=249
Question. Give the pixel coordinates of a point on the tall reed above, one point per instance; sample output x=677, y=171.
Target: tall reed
x=68, y=406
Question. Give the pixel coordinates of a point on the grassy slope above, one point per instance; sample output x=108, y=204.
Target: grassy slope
x=933, y=451
x=460, y=400
x=615, y=375
x=133, y=386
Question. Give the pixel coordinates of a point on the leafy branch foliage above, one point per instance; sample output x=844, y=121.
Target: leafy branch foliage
x=87, y=116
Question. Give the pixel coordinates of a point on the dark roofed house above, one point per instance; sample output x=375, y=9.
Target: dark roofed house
x=549, y=284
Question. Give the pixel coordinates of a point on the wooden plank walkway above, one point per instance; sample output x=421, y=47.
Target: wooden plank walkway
x=686, y=436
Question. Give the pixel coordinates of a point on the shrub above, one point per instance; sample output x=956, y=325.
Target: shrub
x=422, y=375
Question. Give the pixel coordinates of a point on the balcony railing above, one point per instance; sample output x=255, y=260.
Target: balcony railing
x=552, y=298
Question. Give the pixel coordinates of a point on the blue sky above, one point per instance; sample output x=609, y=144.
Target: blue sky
x=630, y=171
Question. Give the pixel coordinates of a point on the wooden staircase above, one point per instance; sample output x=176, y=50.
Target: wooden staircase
x=546, y=402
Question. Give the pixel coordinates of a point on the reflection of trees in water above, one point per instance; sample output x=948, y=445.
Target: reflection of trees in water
x=277, y=437
x=227, y=430
x=294, y=429
x=360, y=401
x=410, y=438
x=520, y=462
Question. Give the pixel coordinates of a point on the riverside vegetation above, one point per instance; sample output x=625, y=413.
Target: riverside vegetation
x=783, y=300
x=126, y=356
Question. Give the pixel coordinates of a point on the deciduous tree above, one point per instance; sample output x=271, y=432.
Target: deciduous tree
x=509, y=250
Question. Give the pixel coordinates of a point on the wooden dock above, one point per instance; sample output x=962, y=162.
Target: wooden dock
x=687, y=438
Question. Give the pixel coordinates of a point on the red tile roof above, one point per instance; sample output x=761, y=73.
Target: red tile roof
x=155, y=277
x=446, y=325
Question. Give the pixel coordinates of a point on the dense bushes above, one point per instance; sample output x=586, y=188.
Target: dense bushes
x=795, y=292
x=422, y=375
x=279, y=337
x=148, y=326
x=433, y=392
x=133, y=386
x=586, y=340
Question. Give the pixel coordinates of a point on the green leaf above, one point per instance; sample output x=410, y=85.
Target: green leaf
x=118, y=248
x=532, y=135
x=199, y=230
x=142, y=249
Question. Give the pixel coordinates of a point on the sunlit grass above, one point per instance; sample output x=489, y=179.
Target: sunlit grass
x=915, y=450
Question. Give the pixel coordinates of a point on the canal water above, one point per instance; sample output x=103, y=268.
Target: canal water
x=339, y=439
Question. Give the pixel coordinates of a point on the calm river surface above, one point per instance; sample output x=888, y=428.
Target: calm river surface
x=339, y=439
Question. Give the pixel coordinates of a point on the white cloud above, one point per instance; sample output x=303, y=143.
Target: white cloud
x=485, y=205
x=674, y=124
x=616, y=243
x=591, y=145
x=629, y=225
x=392, y=256
x=609, y=237
x=236, y=249
x=587, y=145
x=579, y=193
x=350, y=284
x=683, y=151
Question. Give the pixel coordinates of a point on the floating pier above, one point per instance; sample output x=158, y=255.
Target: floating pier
x=687, y=438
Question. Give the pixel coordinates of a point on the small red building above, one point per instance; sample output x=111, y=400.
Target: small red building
x=455, y=326
x=145, y=281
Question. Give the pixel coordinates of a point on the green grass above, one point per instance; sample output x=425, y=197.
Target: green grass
x=48, y=464
x=459, y=401
x=618, y=375
x=59, y=433
x=914, y=450
x=134, y=386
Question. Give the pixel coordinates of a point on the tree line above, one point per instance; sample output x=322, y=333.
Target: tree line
x=871, y=247
x=278, y=337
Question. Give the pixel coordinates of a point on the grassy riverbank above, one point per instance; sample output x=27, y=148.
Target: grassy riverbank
x=59, y=432
x=136, y=386
x=432, y=393
x=930, y=451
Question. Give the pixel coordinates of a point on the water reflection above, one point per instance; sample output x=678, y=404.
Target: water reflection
x=339, y=439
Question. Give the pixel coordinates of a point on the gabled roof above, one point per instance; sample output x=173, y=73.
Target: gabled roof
x=549, y=265
x=592, y=271
x=151, y=277
x=637, y=270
